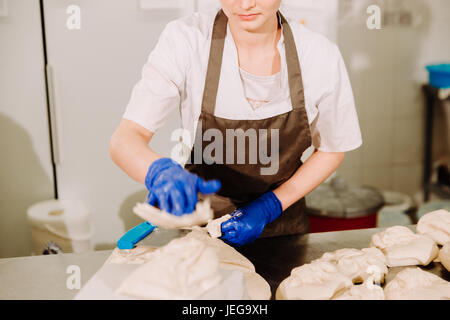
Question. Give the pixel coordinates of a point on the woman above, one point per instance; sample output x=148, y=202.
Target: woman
x=247, y=71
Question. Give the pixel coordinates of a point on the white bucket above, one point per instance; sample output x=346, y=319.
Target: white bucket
x=68, y=224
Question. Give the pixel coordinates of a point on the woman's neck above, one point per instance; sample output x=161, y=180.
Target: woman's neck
x=257, y=50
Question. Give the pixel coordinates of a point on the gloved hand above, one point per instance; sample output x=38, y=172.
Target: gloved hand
x=173, y=188
x=247, y=223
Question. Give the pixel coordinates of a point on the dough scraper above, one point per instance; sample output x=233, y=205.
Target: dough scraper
x=134, y=235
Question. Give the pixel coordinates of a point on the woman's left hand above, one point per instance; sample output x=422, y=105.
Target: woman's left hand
x=247, y=223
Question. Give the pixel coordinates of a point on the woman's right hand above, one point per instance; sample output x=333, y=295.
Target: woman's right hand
x=174, y=189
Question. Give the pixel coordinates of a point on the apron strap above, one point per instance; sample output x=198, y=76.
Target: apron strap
x=293, y=66
x=215, y=64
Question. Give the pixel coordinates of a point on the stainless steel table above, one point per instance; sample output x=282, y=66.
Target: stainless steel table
x=44, y=277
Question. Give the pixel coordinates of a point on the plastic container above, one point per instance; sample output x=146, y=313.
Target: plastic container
x=336, y=206
x=64, y=225
x=439, y=75
x=394, y=212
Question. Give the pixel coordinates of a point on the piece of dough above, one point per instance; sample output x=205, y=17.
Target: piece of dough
x=229, y=258
x=227, y=254
x=201, y=215
x=214, y=226
x=137, y=255
x=182, y=269
x=359, y=265
x=361, y=292
x=257, y=288
x=318, y=280
x=416, y=284
x=436, y=225
x=444, y=256
x=402, y=247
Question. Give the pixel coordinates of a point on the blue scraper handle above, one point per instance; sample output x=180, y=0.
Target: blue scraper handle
x=133, y=236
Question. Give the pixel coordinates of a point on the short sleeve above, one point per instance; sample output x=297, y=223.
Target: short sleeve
x=158, y=91
x=336, y=127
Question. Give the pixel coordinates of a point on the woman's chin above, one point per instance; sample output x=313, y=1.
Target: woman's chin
x=250, y=26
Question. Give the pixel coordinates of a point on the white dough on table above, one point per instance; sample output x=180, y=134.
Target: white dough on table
x=416, y=284
x=214, y=226
x=436, y=225
x=227, y=254
x=318, y=280
x=230, y=259
x=163, y=266
x=402, y=247
x=444, y=256
x=182, y=269
x=361, y=292
x=201, y=215
x=359, y=265
x=137, y=255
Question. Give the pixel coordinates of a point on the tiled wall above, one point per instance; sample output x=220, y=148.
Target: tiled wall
x=387, y=69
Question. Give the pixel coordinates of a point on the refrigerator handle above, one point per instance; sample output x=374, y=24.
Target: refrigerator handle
x=53, y=115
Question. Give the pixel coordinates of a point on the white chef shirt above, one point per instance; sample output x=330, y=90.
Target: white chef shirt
x=174, y=76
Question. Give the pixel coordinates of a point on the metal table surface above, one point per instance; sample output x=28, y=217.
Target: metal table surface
x=44, y=277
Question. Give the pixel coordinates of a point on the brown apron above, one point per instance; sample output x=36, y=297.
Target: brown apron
x=242, y=183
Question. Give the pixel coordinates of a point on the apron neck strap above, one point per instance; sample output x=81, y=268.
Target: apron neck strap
x=216, y=56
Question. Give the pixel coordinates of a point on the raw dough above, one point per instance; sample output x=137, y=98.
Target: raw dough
x=257, y=287
x=436, y=225
x=361, y=292
x=214, y=226
x=416, y=284
x=229, y=259
x=318, y=280
x=444, y=256
x=402, y=247
x=183, y=269
x=359, y=265
x=202, y=214
x=137, y=255
x=228, y=256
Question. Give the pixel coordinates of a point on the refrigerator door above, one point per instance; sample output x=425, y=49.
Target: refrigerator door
x=96, y=50
x=26, y=174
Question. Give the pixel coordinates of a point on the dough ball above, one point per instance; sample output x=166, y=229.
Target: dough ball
x=201, y=215
x=359, y=265
x=416, y=284
x=444, y=256
x=436, y=225
x=402, y=247
x=318, y=280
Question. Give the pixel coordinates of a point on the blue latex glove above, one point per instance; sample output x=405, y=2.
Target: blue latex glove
x=174, y=189
x=247, y=223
